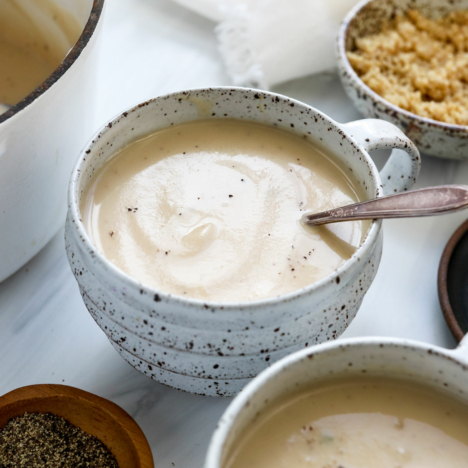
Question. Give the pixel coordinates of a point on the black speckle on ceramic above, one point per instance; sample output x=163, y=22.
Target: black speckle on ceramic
x=432, y=137
x=215, y=348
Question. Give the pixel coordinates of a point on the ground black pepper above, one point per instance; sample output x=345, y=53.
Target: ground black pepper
x=37, y=440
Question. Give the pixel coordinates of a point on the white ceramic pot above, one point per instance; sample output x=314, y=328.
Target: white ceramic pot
x=431, y=136
x=40, y=139
x=215, y=348
x=434, y=367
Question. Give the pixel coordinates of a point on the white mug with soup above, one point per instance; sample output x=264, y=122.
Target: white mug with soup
x=365, y=402
x=183, y=231
x=47, y=80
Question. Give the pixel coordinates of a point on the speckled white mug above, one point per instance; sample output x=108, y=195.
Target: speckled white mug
x=215, y=348
x=437, y=368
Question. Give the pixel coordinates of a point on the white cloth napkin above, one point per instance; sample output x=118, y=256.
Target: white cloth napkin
x=265, y=42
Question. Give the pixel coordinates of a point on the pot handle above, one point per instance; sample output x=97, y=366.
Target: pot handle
x=402, y=168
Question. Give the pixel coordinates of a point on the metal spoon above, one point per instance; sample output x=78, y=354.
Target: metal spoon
x=425, y=202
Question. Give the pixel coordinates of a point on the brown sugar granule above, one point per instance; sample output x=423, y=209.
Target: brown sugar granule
x=37, y=440
x=419, y=64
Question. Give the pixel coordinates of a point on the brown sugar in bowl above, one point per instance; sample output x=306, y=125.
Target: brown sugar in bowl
x=432, y=137
x=94, y=415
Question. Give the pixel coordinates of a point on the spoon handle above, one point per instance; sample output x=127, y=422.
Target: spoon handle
x=425, y=202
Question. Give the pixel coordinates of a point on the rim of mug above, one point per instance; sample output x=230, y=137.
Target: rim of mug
x=71, y=57
x=74, y=210
x=394, y=109
x=263, y=380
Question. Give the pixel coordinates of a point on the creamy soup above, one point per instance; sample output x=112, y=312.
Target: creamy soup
x=35, y=36
x=210, y=210
x=358, y=423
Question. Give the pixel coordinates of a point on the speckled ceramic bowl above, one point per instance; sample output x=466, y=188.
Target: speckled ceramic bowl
x=437, y=368
x=215, y=348
x=432, y=137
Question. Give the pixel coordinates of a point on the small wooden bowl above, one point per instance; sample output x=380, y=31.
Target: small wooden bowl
x=452, y=281
x=94, y=415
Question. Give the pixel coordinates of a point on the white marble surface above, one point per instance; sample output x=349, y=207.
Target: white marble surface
x=152, y=47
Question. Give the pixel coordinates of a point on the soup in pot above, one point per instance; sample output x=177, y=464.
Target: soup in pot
x=35, y=36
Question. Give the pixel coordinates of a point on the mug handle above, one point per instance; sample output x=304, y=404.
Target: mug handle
x=402, y=168
x=461, y=351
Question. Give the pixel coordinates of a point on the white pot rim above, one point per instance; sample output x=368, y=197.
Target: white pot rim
x=73, y=209
x=72, y=56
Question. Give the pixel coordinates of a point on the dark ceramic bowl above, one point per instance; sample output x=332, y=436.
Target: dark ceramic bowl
x=453, y=282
